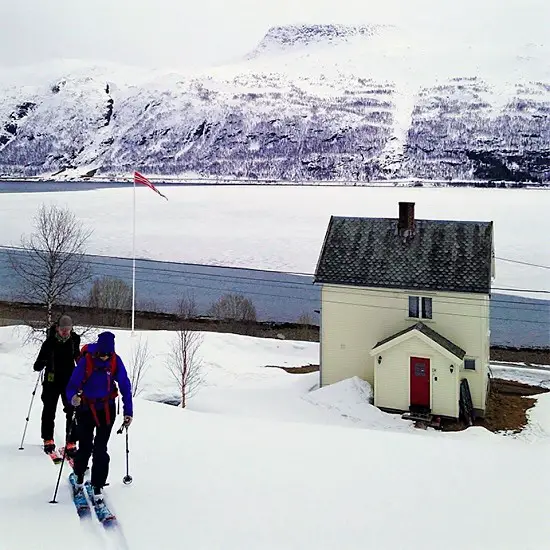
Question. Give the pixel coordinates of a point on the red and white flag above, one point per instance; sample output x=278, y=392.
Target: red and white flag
x=139, y=178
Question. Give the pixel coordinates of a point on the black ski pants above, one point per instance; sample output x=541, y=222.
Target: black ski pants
x=50, y=398
x=94, y=445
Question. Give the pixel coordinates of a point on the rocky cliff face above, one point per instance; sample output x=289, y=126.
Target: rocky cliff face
x=457, y=132
x=291, y=37
x=327, y=102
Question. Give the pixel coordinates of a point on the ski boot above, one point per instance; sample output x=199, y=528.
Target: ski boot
x=98, y=495
x=79, y=482
x=70, y=449
x=49, y=446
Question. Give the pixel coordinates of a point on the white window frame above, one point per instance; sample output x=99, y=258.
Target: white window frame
x=420, y=307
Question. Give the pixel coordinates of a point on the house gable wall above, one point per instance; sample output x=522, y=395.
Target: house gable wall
x=392, y=377
x=354, y=319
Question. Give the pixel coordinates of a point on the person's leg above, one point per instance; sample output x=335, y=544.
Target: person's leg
x=86, y=427
x=50, y=397
x=101, y=459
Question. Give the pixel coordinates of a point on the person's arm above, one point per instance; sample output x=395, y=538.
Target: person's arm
x=76, y=380
x=43, y=356
x=125, y=388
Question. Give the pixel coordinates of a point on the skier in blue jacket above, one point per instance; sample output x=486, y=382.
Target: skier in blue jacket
x=92, y=389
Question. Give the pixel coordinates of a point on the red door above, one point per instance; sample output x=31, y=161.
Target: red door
x=420, y=382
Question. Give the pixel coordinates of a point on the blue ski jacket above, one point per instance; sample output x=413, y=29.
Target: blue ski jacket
x=100, y=384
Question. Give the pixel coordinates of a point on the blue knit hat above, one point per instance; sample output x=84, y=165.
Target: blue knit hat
x=105, y=343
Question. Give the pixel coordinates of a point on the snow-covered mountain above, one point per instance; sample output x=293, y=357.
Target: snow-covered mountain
x=310, y=102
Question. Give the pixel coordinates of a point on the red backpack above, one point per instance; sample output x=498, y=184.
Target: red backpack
x=111, y=388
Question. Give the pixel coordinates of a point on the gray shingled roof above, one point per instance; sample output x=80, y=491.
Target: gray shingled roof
x=442, y=255
x=430, y=333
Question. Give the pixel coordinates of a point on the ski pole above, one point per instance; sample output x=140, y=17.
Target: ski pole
x=53, y=501
x=29, y=412
x=127, y=479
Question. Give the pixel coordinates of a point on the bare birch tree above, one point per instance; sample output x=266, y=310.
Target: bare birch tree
x=112, y=298
x=50, y=265
x=234, y=307
x=185, y=364
x=187, y=307
x=141, y=361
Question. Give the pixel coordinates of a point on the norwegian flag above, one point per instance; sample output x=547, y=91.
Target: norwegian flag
x=140, y=178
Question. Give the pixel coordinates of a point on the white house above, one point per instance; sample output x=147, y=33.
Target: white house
x=405, y=306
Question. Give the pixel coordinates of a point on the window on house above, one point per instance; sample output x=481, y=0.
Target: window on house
x=413, y=306
x=420, y=369
x=426, y=308
x=418, y=312
x=470, y=364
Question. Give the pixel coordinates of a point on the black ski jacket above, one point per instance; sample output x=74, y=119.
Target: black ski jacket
x=58, y=358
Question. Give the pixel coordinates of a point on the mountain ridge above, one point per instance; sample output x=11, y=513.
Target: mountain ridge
x=310, y=102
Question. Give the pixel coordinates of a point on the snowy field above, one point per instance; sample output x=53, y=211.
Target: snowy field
x=520, y=372
x=282, y=228
x=263, y=459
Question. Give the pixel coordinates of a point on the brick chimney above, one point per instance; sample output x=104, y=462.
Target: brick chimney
x=405, y=224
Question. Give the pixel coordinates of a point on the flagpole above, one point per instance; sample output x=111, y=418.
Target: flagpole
x=134, y=262
x=139, y=178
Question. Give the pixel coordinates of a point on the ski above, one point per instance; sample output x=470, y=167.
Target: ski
x=79, y=499
x=104, y=515
x=68, y=458
x=56, y=458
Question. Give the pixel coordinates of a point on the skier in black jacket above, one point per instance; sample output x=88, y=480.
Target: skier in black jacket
x=57, y=355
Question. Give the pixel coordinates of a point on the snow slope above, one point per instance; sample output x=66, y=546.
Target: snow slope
x=311, y=101
x=230, y=481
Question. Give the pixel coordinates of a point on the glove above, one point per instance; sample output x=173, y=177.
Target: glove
x=39, y=366
x=127, y=421
x=76, y=400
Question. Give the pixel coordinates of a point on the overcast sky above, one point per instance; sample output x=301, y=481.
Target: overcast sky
x=171, y=33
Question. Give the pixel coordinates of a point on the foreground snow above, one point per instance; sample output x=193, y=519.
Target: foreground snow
x=283, y=228
x=244, y=479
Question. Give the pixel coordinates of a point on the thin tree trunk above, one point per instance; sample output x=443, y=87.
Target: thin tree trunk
x=184, y=364
x=184, y=374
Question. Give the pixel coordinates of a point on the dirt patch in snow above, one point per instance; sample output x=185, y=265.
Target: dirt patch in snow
x=508, y=404
x=529, y=357
x=507, y=407
x=305, y=369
